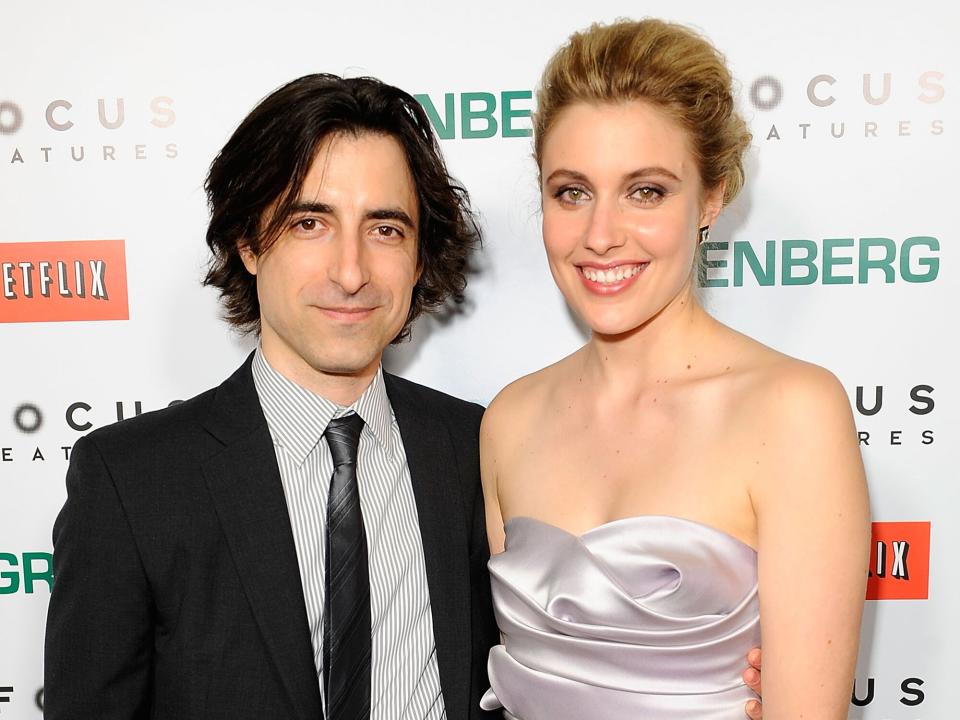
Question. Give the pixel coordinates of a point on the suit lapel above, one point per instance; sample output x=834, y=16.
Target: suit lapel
x=433, y=472
x=244, y=481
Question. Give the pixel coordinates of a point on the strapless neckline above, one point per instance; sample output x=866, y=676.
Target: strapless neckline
x=630, y=519
x=645, y=616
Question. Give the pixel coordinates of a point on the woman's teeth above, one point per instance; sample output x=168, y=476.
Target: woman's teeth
x=611, y=275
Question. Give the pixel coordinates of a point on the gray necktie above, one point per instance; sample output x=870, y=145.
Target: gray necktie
x=346, y=612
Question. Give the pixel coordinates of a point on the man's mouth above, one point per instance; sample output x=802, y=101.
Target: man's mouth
x=348, y=313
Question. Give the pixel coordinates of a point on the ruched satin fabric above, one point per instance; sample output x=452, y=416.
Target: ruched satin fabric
x=645, y=617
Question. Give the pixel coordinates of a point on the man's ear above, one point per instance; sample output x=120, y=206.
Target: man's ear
x=248, y=257
x=419, y=271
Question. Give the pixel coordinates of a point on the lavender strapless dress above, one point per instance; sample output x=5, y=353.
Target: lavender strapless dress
x=645, y=618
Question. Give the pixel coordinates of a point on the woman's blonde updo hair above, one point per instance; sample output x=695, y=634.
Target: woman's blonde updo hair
x=667, y=65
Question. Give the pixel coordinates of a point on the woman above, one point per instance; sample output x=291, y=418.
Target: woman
x=645, y=486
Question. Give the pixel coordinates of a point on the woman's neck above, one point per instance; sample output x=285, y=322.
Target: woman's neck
x=662, y=349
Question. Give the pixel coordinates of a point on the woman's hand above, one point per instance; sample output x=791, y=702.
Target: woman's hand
x=751, y=676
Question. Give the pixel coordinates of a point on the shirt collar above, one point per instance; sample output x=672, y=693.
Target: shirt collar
x=298, y=417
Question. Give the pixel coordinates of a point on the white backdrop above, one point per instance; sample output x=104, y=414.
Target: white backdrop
x=188, y=72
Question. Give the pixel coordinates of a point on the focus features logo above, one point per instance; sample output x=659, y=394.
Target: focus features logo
x=88, y=130
x=870, y=403
x=907, y=692
x=63, y=281
x=866, y=106
x=80, y=416
x=899, y=561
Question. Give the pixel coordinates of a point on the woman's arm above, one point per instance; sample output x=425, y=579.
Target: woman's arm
x=814, y=530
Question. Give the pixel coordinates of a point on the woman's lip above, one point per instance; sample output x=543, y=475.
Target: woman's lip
x=610, y=265
x=607, y=289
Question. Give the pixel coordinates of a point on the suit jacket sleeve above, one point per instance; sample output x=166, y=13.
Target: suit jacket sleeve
x=100, y=624
x=485, y=632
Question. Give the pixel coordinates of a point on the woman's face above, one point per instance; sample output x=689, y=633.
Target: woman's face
x=622, y=207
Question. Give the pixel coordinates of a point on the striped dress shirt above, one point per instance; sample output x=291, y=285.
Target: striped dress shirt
x=405, y=683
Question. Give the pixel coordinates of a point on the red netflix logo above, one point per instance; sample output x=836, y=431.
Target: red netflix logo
x=899, y=561
x=63, y=281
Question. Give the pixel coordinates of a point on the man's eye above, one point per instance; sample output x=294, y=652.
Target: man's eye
x=308, y=224
x=388, y=231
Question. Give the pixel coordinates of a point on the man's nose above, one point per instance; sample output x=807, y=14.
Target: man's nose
x=349, y=268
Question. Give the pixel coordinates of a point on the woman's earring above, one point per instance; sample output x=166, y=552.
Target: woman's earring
x=704, y=234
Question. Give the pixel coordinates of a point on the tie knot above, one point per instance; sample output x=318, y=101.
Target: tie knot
x=343, y=437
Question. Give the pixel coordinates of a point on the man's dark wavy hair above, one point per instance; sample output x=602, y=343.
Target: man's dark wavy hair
x=269, y=155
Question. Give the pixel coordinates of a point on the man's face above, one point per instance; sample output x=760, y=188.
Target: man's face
x=335, y=288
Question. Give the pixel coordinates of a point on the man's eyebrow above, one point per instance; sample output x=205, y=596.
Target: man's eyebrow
x=394, y=213
x=640, y=173
x=303, y=206
x=389, y=213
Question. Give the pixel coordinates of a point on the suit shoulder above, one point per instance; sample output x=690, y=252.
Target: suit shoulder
x=158, y=428
x=436, y=400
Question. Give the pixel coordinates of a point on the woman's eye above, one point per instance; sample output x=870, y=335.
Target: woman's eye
x=573, y=195
x=648, y=194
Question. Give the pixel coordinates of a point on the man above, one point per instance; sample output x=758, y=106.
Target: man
x=307, y=539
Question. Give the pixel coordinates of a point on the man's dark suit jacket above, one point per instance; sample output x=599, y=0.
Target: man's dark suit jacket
x=177, y=592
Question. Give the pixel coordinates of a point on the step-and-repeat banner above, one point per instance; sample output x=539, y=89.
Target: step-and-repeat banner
x=841, y=250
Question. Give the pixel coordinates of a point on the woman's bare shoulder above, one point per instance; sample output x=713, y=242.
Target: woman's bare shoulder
x=791, y=414
x=775, y=384
x=787, y=389
x=524, y=399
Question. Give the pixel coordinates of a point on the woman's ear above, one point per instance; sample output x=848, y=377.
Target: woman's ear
x=712, y=205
